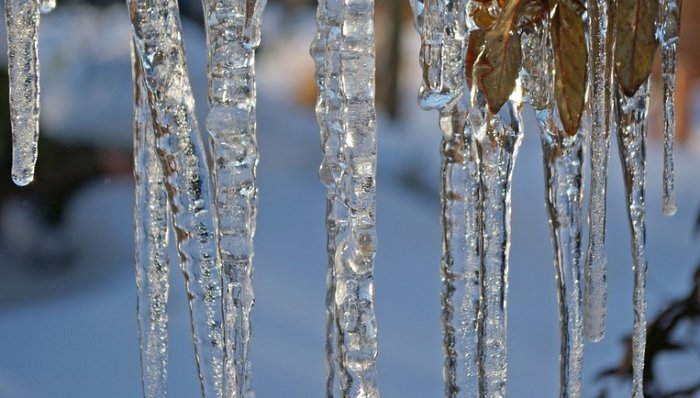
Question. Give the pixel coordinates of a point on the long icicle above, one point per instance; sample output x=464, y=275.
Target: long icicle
x=354, y=294
x=498, y=137
x=563, y=181
x=158, y=40
x=669, y=33
x=442, y=27
x=233, y=34
x=325, y=50
x=151, y=235
x=22, y=18
x=601, y=15
x=631, y=136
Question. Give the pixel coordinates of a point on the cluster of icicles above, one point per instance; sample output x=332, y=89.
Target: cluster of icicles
x=211, y=206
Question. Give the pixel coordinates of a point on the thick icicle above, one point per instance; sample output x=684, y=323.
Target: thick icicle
x=669, y=33
x=233, y=34
x=563, y=172
x=631, y=136
x=354, y=293
x=47, y=6
x=498, y=138
x=151, y=235
x=325, y=50
x=158, y=38
x=22, y=18
x=602, y=37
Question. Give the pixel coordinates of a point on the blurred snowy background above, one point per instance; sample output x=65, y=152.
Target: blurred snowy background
x=67, y=294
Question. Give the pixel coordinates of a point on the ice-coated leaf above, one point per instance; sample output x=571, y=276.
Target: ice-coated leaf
x=636, y=42
x=570, y=58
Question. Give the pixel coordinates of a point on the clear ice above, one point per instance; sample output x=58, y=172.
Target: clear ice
x=669, y=33
x=563, y=181
x=47, y=6
x=498, y=138
x=157, y=36
x=346, y=113
x=631, y=136
x=442, y=27
x=22, y=18
x=233, y=34
x=602, y=42
x=325, y=51
x=151, y=235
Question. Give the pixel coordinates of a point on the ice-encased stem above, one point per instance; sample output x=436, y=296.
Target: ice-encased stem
x=325, y=50
x=563, y=181
x=669, y=34
x=602, y=43
x=498, y=138
x=233, y=34
x=157, y=36
x=22, y=18
x=442, y=51
x=631, y=136
x=459, y=193
x=151, y=235
x=354, y=293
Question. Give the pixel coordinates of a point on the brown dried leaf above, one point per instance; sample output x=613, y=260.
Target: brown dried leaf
x=636, y=43
x=498, y=65
x=570, y=57
x=474, y=47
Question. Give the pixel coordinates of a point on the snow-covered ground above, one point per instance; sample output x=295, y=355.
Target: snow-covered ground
x=84, y=343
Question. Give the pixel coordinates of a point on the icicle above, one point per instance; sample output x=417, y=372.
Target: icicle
x=601, y=95
x=22, y=18
x=325, y=51
x=442, y=49
x=151, y=235
x=631, y=136
x=498, y=138
x=669, y=33
x=47, y=6
x=158, y=38
x=563, y=163
x=233, y=34
x=459, y=193
x=354, y=293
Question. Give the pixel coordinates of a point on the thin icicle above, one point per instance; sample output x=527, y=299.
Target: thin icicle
x=459, y=193
x=233, y=34
x=601, y=52
x=498, y=138
x=22, y=18
x=325, y=50
x=158, y=39
x=631, y=136
x=151, y=235
x=354, y=293
x=669, y=33
x=563, y=169
x=47, y=6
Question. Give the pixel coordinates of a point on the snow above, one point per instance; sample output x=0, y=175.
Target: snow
x=84, y=344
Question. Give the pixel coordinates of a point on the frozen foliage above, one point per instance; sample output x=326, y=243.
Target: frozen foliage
x=22, y=18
